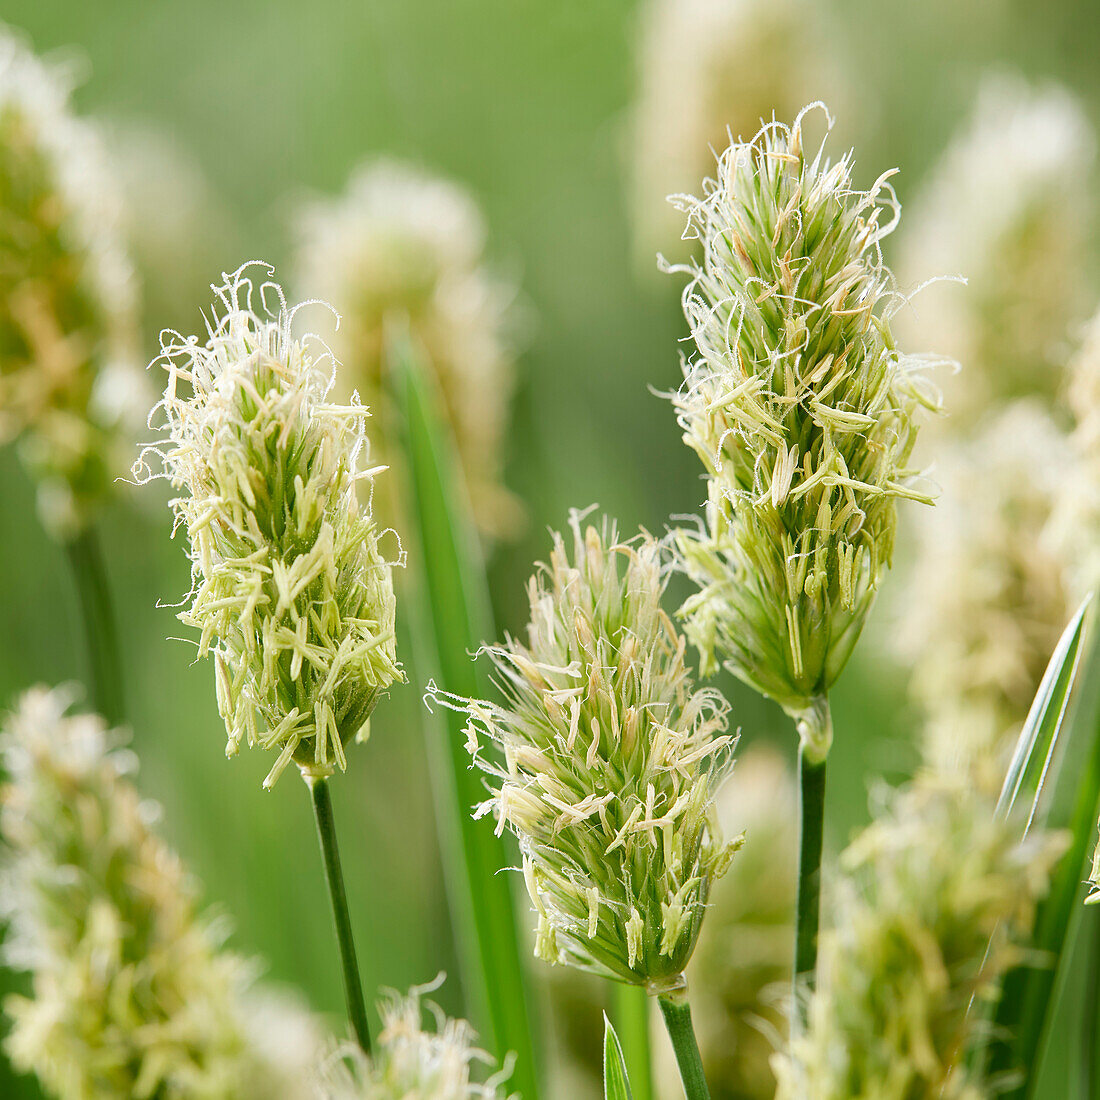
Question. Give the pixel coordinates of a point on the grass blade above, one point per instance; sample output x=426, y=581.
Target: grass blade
x=616, y=1085
x=1031, y=994
x=446, y=562
x=1038, y=740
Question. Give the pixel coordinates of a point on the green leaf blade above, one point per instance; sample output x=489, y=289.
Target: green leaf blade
x=446, y=561
x=616, y=1085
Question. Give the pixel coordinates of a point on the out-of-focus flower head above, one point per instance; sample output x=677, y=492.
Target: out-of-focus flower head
x=133, y=994
x=746, y=945
x=988, y=596
x=1010, y=208
x=291, y=592
x=407, y=248
x=803, y=412
x=710, y=70
x=935, y=899
x=1076, y=520
x=611, y=762
x=411, y=1062
x=69, y=388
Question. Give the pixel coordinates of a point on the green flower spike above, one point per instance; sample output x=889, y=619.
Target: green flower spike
x=611, y=760
x=291, y=592
x=801, y=409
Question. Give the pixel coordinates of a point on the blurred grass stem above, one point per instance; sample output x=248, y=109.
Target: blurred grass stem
x=100, y=629
x=326, y=834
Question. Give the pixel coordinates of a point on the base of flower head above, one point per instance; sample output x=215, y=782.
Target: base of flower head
x=815, y=728
x=673, y=987
x=314, y=773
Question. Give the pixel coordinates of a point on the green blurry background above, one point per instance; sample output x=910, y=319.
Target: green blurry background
x=527, y=104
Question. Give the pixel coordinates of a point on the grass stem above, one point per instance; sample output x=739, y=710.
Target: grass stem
x=100, y=630
x=326, y=834
x=677, y=1014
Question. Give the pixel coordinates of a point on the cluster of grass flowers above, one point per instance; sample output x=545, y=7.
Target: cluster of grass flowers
x=935, y=902
x=401, y=248
x=69, y=387
x=1008, y=208
x=802, y=411
x=413, y=1062
x=611, y=759
x=133, y=994
x=709, y=70
x=988, y=595
x=292, y=591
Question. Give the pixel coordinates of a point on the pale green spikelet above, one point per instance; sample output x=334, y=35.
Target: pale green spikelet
x=411, y=1062
x=802, y=410
x=611, y=762
x=132, y=993
x=935, y=902
x=292, y=592
x=1010, y=208
x=403, y=249
x=709, y=70
x=989, y=594
x=70, y=390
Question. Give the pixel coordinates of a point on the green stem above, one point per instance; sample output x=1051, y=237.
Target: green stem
x=326, y=834
x=811, y=774
x=677, y=1014
x=100, y=632
x=631, y=1017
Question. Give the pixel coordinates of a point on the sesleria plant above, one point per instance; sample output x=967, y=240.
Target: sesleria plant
x=989, y=592
x=609, y=758
x=803, y=412
x=292, y=593
x=1009, y=207
x=413, y=1062
x=70, y=390
x=404, y=250
x=935, y=902
x=133, y=994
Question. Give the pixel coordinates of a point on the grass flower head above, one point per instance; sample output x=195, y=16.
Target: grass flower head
x=802, y=410
x=69, y=388
x=412, y=1062
x=611, y=760
x=989, y=594
x=292, y=592
x=132, y=994
x=1010, y=208
x=936, y=898
x=401, y=246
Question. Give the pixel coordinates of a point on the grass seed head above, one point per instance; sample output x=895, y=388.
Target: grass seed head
x=604, y=760
x=292, y=593
x=70, y=390
x=802, y=411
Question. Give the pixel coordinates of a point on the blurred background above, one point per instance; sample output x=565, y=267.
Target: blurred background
x=225, y=118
